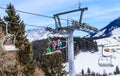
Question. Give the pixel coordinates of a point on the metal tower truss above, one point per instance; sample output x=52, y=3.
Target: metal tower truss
x=69, y=30
x=57, y=19
x=85, y=27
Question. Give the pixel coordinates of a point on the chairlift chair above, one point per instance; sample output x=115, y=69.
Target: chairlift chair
x=9, y=41
x=50, y=53
x=58, y=50
x=105, y=61
x=50, y=41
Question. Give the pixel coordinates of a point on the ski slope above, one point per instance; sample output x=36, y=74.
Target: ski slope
x=87, y=60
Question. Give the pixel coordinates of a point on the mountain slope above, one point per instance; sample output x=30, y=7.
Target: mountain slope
x=113, y=28
x=39, y=34
x=36, y=34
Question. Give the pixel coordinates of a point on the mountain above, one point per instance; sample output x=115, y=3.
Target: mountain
x=36, y=34
x=113, y=28
x=39, y=34
x=109, y=35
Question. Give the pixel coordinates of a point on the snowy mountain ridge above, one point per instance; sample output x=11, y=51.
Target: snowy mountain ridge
x=39, y=34
x=36, y=34
x=113, y=28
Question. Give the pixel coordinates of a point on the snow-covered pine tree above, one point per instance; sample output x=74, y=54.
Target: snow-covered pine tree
x=25, y=53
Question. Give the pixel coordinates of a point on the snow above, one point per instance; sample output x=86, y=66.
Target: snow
x=10, y=48
x=89, y=60
x=115, y=31
x=36, y=34
x=39, y=34
x=99, y=33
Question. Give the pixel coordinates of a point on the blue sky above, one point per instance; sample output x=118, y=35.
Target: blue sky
x=100, y=12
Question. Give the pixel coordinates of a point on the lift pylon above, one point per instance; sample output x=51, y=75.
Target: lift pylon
x=70, y=30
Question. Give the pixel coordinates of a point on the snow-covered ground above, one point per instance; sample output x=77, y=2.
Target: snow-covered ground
x=90, y=60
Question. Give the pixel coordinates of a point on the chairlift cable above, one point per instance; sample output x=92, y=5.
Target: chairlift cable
x=36, y=15
x=28, y=12
x=33, y=14
x=25, y=24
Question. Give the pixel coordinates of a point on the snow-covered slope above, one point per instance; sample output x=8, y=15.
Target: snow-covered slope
x=90, y=60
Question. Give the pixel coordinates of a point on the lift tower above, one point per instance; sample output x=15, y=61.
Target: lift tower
x=69, y=30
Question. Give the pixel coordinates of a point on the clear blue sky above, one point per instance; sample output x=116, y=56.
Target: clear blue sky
x=100, y=12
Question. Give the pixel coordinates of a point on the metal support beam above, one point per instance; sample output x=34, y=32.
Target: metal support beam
x=80, y=20
x=85, y=27
x=80, y=9
x=57, y=21
x=70, y=30
x=71, y=53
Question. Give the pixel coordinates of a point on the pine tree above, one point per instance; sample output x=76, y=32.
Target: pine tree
x=93, y=74
x=88, y=71
x=2, y=24
x=52, y=65
x=82, y=72
x=25, y=53
x=117, y=71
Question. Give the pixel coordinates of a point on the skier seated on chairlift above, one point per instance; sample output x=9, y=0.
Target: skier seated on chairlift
x=54, y=45
x=59, y=44
x=51, y=47
x=48, y=50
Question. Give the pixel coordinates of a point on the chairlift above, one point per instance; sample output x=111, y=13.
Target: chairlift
x=105, y=61
x=58, y=49
x=9, y=41
x=63, y=42
x=50, y=53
